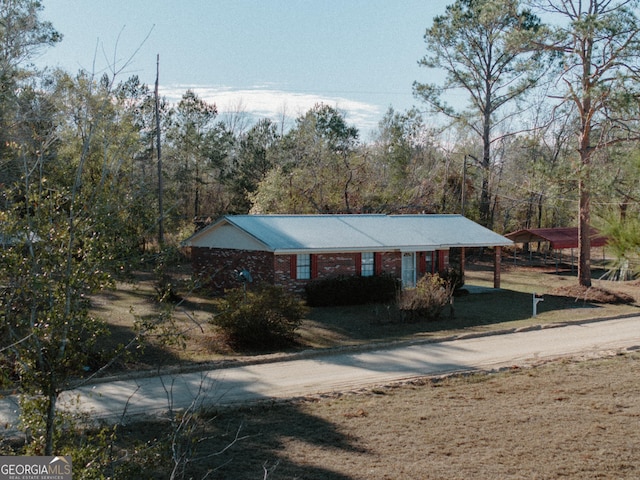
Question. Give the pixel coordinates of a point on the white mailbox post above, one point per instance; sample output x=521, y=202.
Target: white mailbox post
x=536, y=298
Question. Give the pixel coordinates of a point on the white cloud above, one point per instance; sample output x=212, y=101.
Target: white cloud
x=265, y=102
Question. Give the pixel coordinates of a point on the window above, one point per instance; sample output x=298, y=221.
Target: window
x=408, y=270
x=303, y=267
x=428, y=260
x=367, y=264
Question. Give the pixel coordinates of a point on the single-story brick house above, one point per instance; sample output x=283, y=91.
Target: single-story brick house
x=291, y=250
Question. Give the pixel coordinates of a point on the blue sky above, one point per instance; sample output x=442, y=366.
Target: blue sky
x=263, y=56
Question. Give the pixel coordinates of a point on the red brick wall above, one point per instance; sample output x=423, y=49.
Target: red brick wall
x=335, y=264
x=215, y=267
x=331, y=265
x=392, y=263
x=282, y=276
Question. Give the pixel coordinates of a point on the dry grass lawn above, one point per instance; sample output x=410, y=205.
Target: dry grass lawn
x=566, y=419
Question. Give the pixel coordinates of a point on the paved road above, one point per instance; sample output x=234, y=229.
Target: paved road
x=343, y=371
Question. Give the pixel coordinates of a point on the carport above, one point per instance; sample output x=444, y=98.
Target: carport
x=558, y=239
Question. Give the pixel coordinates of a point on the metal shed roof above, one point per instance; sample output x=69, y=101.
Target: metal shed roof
x=559, y=238
x=342, y=233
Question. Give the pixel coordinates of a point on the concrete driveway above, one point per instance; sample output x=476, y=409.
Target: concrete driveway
x=331, y=372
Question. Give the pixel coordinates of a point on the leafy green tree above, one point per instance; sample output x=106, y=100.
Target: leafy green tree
x=477, y=43
x=68, y=227
x=256, y=154
x=327, y=125
x=319, y=169
x=22, y=35
x=624, y=242
x=598, y=42
x=619, y=218
x=405, y=165
x=137, y=102
x=196, y=157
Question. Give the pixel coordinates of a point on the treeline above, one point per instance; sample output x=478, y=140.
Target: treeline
x=320, y=165
x=509, y=159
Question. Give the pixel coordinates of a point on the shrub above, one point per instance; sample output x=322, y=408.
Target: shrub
x=454, y=277
x=352, y=290
x=265, y=318
x=165, y=284
x=426, y=301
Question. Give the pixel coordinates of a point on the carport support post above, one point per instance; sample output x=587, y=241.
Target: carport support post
x=497, y=263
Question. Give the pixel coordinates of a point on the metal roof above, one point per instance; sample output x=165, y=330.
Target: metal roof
x=343, y=233
x=559, y=238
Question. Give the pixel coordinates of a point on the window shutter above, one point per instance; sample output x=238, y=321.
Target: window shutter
x=293, y=266
x=377, y=263
x=422, y=263
x=444, y=260
x=314, y=266
x=441, y=261
x=358, y=263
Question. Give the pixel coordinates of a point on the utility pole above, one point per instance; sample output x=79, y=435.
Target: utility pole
x=158, y=137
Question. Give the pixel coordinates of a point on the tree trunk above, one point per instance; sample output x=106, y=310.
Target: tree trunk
x=52, y=397
x=540, y=209
x=159, y=151
x=584, y=236
x=585, y=150
x=584, y=207
x=485, y=196
x=196, y=196
x=485, y=201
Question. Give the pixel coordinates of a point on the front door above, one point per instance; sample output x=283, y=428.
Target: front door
x=408, y=270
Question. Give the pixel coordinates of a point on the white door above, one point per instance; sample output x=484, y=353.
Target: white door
x=408, y=270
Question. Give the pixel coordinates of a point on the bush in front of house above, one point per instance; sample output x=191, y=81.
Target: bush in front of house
x=351, y=290
x=426, y=301
x=265, y=318
x=454, y=277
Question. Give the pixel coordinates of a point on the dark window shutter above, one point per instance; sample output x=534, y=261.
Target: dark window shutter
x=377, y=263
x=441, y=263
x=293, y=266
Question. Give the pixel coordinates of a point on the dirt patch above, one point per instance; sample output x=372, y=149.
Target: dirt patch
x=593, y=294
